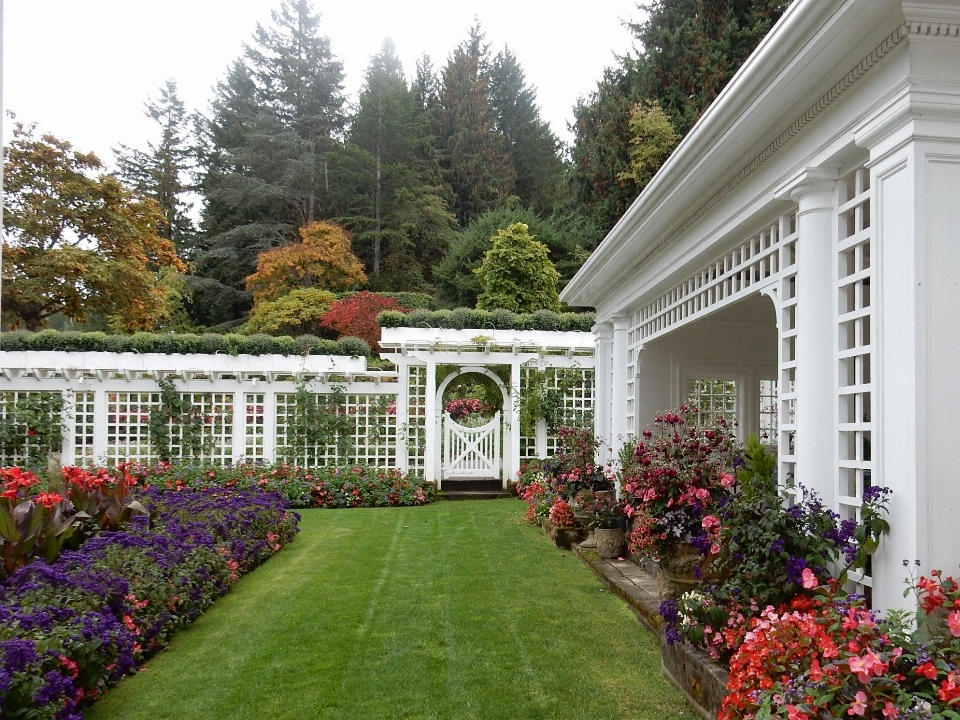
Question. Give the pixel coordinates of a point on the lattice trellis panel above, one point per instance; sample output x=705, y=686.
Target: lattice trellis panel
x=128, y=433
x=855, y=331
x=769, y=412
x=23, y=446
x=579, y=394
x=372, y=439
x=735, y=275
x=713, y=398
x=416, y=421
x=83, y=429
x=254, y=417
x=787, y=385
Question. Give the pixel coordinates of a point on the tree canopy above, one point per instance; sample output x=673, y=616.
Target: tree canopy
x=516, y=274
x=79, y=243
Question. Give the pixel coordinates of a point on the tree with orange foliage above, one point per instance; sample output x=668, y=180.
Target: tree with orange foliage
x=78, y=243
x=322, y=260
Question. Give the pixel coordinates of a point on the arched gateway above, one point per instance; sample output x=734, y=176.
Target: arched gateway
x=429, y=359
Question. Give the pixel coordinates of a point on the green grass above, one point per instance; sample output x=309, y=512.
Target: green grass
x=454, y=610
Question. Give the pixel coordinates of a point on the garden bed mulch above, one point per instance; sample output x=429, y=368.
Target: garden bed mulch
x=691, y=670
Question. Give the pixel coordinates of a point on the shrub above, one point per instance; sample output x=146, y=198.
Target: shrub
x=259, y=344
x=356, y=316
x=546, y=320
x=301, y=487
x=14, y=341
x=212, y=343
x=391, y=319
x=119, y=343
x=144, y=342
x=353, y=347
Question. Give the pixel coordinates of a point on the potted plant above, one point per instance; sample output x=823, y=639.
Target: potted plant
x=674, y=479
x=605, y=515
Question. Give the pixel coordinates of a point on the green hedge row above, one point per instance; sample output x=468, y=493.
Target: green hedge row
x=465, y=318
x=408, y=300
x=179, y=343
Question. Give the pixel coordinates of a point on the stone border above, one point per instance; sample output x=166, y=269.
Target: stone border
x=690, y=669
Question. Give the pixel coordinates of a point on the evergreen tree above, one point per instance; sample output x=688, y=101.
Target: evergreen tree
x=408, y=225
x=532, y=147
x=516, y=274
x=165, y=172
x=274, y=132
x=472, y=156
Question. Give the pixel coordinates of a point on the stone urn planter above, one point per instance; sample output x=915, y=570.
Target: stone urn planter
x=610, y=542
x=682, y=568
x=562, y=537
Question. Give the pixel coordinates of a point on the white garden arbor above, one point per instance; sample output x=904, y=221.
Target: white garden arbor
x=429, y=359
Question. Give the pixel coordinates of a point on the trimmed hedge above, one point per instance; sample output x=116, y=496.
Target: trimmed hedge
x=182, y=343
x=407, y=300
x=465, y=318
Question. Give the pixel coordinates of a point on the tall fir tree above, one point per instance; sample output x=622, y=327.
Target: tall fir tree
x=274, y=131
x=533, y=149
x=391, y=126
x=165, y=172
x=472, y=156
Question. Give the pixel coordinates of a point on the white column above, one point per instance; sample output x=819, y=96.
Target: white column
x=402, y=457
x=99, y=424
x=603, y=334
x=514, y=458
x=431, y=461
x=68, y=446
x=618, y=405
x=915, y=173
x=814, y=190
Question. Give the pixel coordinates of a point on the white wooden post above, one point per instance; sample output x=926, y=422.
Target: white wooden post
x=618, y=406
x=431, y=463
x=402, y=458
x=511, y=463
x=815, y=191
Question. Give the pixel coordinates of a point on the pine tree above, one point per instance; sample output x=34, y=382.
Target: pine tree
x=165, y=172
x=274, y=132
x=531, y=145
x=473, y=160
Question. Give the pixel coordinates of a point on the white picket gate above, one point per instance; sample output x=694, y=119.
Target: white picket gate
x=471, y=452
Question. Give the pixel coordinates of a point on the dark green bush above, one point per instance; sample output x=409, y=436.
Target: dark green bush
x=232, y=342
x=406, y=300
x=144, y=342
x=352, y=346
x=14, y=340
x=118, y=343
x=211, y=344
x=392, y=319
x=546, y=320
x=259, y=344
x=503, y=319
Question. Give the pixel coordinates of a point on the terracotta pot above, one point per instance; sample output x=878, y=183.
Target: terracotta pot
x=610, y=542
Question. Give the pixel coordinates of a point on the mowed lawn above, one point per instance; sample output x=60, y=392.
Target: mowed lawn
x=454, y=610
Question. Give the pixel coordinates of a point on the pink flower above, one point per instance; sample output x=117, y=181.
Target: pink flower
x=953, y=623
x=889, y=711
x=794, y=714
x=809, y=579
x=726, y=479
x=859, y=704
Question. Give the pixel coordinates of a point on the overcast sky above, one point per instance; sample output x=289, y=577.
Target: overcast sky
x=82, y=69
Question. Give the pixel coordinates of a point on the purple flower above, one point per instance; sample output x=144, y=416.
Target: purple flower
x=17, y=654
x=795, y=568
x=55, y=687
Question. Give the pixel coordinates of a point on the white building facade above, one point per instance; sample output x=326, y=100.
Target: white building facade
x=799, y=253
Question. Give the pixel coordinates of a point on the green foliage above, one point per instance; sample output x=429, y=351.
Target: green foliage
x=317, y=422
x=569, y=237
x=353, y=347
x=294, y=313
x=496, y=319
x=178, y=414
x=173, y=343
x=652, y=139
x=543, y=397
x=516, y=274
x=31, y=426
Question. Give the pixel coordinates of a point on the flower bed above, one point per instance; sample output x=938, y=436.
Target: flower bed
x=71, y=628
x=324, y=487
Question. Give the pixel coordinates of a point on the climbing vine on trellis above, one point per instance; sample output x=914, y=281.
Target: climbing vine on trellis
x=176, y=411
x=31, y=426
x=315, y=421
x=543, y=395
